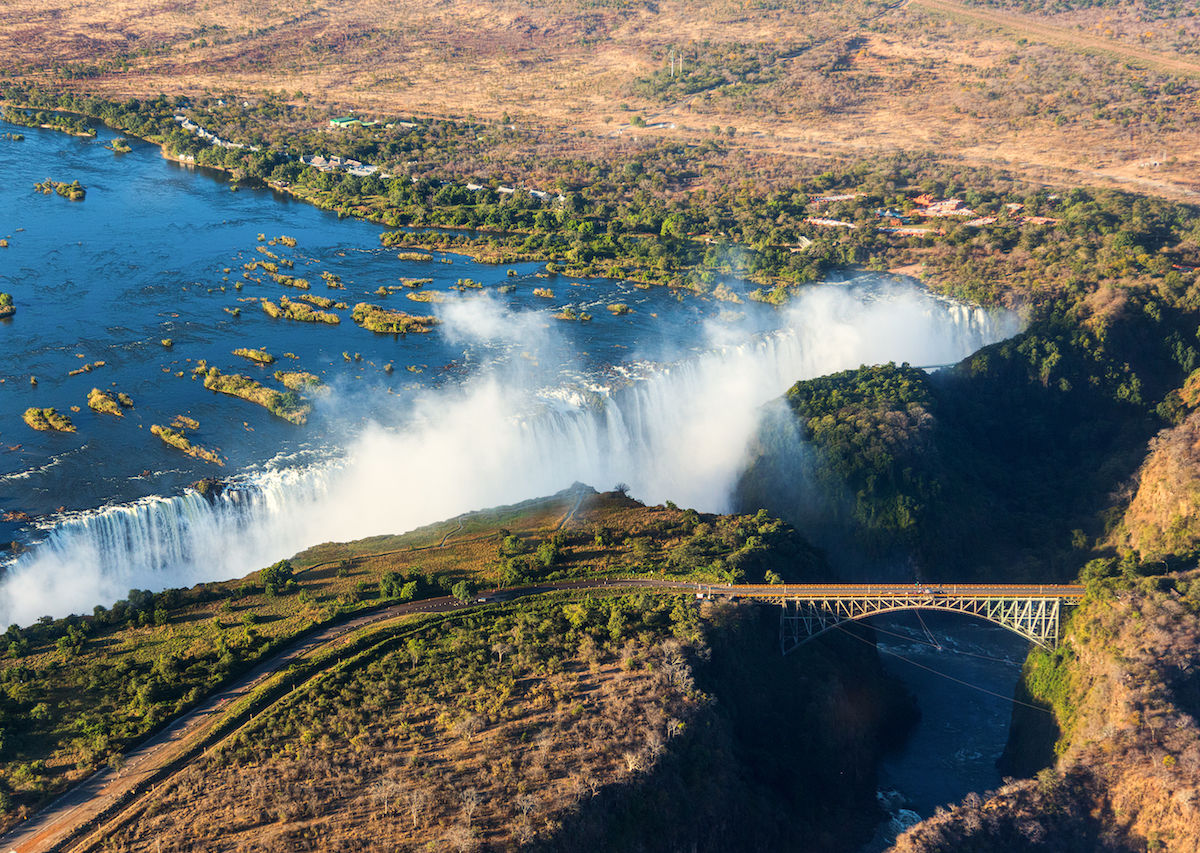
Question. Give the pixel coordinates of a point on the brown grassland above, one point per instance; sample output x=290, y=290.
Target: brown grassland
x=1105, y=95
x=478, y=733
x=187, y=642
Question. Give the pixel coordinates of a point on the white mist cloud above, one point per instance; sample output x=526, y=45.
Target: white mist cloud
x=485, y=319
x=680, y=433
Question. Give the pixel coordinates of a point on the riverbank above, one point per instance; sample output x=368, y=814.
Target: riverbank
x=1125, y=776
x=465, y=245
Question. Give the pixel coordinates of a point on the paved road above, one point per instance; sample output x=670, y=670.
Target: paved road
x=1063, y=592
x=62, y=818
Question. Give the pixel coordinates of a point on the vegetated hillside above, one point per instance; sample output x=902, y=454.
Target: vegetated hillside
x=1120, y=695
x=602, y=722
x=1163, y=518
x=76, y=692
x=1124, y=688
x=1002, y=467
x=869, y=468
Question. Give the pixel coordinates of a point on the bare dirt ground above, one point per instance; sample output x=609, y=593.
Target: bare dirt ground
x=1038, y=29
x=1046, y=96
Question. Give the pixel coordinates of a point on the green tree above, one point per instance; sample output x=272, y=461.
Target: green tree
x=277, y=574
x=547, y=553
x=462, y=591
x=390, y=585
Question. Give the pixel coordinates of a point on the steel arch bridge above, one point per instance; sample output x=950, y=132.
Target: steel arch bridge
x=810, y=610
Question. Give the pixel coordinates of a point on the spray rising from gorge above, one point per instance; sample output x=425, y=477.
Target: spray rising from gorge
x=675, y=431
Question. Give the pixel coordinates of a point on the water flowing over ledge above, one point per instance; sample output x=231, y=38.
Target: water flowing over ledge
x=675, y=431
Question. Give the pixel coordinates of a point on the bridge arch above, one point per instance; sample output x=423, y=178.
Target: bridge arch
x=1035, y=618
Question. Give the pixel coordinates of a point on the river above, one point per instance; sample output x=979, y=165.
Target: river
x=962, y=672
x=499, y=403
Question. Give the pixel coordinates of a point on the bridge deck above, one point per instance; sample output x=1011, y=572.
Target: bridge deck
x=1062, y=592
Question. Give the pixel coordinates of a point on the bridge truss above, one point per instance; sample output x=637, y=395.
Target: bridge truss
x=1034, y=617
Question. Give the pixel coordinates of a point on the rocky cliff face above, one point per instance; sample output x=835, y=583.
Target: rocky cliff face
x=784, y=757
x=1163, y=518
x=1125, y=687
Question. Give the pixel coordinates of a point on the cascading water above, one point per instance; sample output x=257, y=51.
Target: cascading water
x=95, y=557
x=677, y=431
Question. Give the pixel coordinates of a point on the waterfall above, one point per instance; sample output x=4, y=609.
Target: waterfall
x=675, y=431
x=95, y=557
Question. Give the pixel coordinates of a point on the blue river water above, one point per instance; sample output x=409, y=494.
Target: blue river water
x=501, y=402
x=962, y=672
x=154, y=252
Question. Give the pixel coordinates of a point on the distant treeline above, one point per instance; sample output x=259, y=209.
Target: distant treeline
x=626, y=217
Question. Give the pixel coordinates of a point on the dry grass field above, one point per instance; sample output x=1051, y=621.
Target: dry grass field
x=1090, y=96
x=111, y=687
x=427, y=756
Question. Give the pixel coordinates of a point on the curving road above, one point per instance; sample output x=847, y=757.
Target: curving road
x=63, y=818
x=97, y=797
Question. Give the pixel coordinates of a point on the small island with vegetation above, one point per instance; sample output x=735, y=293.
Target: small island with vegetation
x=386, y=322
x=322, y=301
x=73, y=191
x=180, y=441
x=570, y=313
x=299, y=380
x=298, y=311
x=289, y=280
x=86, y=368
x=287, y=405
x=7, y=308
x=48, y=420
x=259, y=356
x=99, y=401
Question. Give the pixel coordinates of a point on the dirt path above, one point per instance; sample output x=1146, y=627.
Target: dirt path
x=105, y=794
x=88, y=813
x=580, y=494
x=106, y=788
x=1039, y=30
